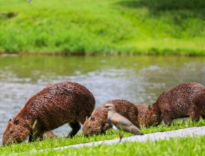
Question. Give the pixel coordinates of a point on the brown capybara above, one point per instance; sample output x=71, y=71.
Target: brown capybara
x=55, y=105
x=49, y=134
x=98, y=123
x=142, y=110
x=187, y=99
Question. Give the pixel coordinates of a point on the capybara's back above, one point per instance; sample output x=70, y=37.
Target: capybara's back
x=98, y=122
x=57, y=104
x=62, y=103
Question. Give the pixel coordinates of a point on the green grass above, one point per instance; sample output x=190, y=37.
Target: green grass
x=51, y=143
x=108, y=26
x=175, y=146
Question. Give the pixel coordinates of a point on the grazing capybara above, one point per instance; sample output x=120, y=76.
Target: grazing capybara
x=98, y=123
x=55, y=105
x=187, y=99
x=142, y=110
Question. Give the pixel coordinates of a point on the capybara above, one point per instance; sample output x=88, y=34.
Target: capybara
x=187, y=99
x=49, y=134
x=142, y=110
x=55, y=105
x=98, y=123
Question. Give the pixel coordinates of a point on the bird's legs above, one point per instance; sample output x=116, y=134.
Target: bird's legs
x=121, y=136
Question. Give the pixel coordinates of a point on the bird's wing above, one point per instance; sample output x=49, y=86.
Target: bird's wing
x=119, y=122
x=125, y=125
x=121, y=119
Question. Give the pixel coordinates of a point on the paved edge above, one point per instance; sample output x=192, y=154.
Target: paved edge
x=193, y=131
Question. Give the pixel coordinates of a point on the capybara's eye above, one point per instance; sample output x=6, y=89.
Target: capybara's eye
x=88, y=126
x=11, y=131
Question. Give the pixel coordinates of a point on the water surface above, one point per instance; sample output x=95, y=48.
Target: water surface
x=138, y=79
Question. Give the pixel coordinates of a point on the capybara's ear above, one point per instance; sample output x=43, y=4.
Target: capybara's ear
x=9, y=120
x=92, y=118
x=150, y=107
x=16, y=121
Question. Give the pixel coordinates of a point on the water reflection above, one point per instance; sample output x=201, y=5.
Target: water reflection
x=138, y=79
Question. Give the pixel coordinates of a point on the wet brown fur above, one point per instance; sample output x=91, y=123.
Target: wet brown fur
x=55, y=105
x=98, y=123
x=49, y=134
x=185, y=100
x=142, y=110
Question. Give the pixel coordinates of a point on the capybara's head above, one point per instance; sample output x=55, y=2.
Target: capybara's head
x=15, y=132
x=95, y=123
x=150, y=118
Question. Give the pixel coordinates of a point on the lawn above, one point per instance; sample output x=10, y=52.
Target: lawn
x=103, y=27
x=62, y=141
x=175, y=146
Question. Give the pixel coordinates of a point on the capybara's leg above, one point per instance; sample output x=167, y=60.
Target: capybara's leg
x=203, y=116
x=30, y=138
x=194, y=114
x=105, y=128
x=75, y=128
x=167, y=118
x=33, y=137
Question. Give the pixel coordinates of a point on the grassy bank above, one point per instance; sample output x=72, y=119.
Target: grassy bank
x=51, y=143
x=175, y=146
x=108, y=26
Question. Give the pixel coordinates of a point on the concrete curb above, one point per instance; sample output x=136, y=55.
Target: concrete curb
x=194, y=131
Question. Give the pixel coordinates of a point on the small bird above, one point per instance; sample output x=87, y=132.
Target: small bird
x=119, y=122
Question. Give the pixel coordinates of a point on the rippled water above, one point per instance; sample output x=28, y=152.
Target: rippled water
x=138, y=79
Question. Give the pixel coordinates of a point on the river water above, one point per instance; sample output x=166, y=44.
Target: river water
x=138, y=79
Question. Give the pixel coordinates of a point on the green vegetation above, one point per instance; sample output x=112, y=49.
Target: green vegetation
x=175, y=146
x=108, y=26
x=51, y=143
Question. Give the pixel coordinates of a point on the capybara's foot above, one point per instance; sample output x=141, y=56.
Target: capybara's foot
x=194, y=115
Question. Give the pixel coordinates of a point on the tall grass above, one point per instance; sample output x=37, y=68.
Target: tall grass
x=62, y=141
x=108, y=26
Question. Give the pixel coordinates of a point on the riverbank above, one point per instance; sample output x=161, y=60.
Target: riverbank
x=103, y=27
x=133, y=141
x=79, y=139
x=179, y=146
